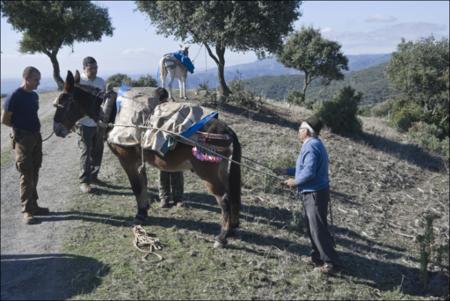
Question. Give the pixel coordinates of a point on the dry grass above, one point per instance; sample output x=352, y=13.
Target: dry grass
x=378, y=197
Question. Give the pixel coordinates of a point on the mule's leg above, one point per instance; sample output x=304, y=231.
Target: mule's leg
x=130, y=160
x=211, y=174
x=180, y=86
x=183, y=85
x=170, y=86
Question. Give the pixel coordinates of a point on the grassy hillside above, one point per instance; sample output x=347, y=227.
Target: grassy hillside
x=371, y=82
x=381, y=187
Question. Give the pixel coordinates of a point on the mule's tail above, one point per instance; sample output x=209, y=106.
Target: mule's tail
x=235, y=181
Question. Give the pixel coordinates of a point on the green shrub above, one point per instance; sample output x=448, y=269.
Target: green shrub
x=382, y=109
x=426, y=135
x=118, y=79
x=339, y=114
x=404, y=114
x=295, y=97
x=243, y=97
x=144, y=81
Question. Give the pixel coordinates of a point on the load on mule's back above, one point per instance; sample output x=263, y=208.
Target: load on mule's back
x=221, y=177
x=176, y=65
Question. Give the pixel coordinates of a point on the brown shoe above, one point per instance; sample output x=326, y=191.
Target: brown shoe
x=85, y=188
x=29, y=219
x=40, y=211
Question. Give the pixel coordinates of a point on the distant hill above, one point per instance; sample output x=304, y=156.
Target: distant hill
x=371, y=82
x=270, y=67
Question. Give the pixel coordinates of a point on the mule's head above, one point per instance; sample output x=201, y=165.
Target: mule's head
x=75, y=102
x=185, y=49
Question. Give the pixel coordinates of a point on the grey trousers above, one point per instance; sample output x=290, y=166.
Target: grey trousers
x=90, y=143
x=171, y=183
x=316, y=210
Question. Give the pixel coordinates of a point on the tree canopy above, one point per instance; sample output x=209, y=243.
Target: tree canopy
x=306, y=50
x=420, y=71
x=256, y=26
x=49, y=25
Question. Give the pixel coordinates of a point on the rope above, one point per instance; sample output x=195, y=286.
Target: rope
x=48, y=136
x=146, y=243
x=192, y=142
x=198, y=52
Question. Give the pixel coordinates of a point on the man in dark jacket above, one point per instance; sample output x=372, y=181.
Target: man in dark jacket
x=20, y=112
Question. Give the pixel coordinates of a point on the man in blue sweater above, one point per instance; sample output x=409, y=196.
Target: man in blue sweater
x=311, y=179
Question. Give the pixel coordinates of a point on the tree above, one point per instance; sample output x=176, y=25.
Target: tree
x=47, y=26
x=340, y=114
x=420, y=72
x=116, y=80
x=307, y=51
x=238, y=25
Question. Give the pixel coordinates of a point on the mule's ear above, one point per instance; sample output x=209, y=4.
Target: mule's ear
x=69, y=83
x=77, y=77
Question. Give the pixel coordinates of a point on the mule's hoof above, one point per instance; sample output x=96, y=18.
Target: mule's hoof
x=139, y=219
x=218, y=245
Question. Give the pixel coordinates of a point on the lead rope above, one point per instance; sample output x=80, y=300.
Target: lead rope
x=43, y=140
x=146, y=243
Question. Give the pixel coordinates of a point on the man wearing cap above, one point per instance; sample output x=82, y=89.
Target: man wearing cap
x=311, y=178
x=91, y=136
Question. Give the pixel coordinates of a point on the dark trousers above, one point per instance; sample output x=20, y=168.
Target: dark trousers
x=316, y=210
x=90, y=143
x=28, y=152
x=171, y=182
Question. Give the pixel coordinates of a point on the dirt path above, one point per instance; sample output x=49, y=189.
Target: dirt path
x=31, y=263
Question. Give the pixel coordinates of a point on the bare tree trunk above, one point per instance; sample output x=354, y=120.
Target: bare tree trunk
x=220, y=62
x=56, y=71
x=306, y=82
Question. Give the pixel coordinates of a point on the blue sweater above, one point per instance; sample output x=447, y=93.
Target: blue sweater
x=311, y=170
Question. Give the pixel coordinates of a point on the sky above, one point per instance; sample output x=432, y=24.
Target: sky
x=360, y=27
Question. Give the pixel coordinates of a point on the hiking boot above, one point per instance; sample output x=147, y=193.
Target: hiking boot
x=85, y=188
x=327, y=268
x=40, y=211
x=29, y=219
x=312, y=261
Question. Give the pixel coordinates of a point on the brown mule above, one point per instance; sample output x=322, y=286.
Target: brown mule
x=222, y=179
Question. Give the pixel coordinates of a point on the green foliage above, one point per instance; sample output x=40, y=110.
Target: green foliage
x=307, y=51
x=382, y=109
x=420, y=71
x=340, y=113
x=145, y=81
x=243, y=97
x=238, y=25
x=404, y=114
x=426, y=135
x=295, y=97
x=371, y=82
x=426, y=242
x=118, y=79
x=49, y=25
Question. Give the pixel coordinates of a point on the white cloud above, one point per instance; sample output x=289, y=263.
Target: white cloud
x=326, y=30
x=377, y=18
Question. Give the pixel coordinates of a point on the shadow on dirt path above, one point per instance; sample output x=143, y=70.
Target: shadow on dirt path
x=27, y=276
